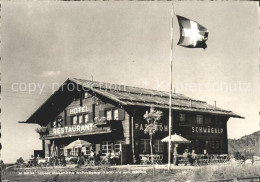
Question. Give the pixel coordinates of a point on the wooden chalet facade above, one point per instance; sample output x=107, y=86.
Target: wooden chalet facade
x=111, y=118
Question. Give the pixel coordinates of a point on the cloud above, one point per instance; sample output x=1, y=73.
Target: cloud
x=46, y=74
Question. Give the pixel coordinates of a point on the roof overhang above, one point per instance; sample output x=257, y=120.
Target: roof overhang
x=61, y=98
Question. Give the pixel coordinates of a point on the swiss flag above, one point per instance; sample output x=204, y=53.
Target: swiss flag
x=192, y=34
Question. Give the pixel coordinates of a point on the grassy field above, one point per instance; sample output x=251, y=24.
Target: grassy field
x=228, y=171
x=133, y=173
x=94, y=174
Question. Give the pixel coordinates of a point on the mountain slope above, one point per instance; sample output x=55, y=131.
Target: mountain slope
x=248, y=144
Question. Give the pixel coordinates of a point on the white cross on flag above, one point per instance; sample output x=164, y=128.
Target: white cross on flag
x=192, y=34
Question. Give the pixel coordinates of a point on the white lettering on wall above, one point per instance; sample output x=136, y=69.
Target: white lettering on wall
x=75, y=128
x=79, y=110
x=209, y=130
x=141, y=127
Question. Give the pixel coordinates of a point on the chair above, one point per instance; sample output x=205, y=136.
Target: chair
x=102, y=160
x=156, y=159
x=144, y=159
x=180, y=159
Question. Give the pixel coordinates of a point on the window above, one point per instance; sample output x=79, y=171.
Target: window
x=182, y=117
x=217, y=144
x=222, y=143
x=86, y=150
x=212, y=145
x=74, y=120
x=106, y=147
x=69, y=152
x=192, y=144
x=117, y=146
x=109, y=115
x=115, y=114
x=80, y=119
x=86, y=118
x=158, y=146
x=199, y=119
x=207, y=120
x=86, y=95
x=190, y=118
x=144, y=146
x=61, y=147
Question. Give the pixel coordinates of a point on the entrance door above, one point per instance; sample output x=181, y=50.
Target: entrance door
x=202, y=146
x=125, y=154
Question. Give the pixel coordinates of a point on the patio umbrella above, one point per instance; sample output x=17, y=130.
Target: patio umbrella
x=176, y=139
x=78, y=144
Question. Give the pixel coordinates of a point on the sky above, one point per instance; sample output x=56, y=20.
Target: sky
x=44, y=43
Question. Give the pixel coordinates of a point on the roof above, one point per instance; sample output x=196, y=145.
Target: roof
x=126, y=96
x=135, y=96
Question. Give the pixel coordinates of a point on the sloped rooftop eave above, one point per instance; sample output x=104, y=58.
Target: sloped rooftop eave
x=131, y=96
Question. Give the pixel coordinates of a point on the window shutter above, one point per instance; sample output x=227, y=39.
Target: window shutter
x=101, y=114
x=65, y=118
x=90, y=117
x=93, y=112
x=68, y=120
x=121, y=114
x=98, y=148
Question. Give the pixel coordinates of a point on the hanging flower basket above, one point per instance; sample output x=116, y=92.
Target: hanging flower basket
x=102, y=120
x=42, y=130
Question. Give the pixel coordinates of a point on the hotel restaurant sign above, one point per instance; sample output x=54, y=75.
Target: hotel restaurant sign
x=73, y=129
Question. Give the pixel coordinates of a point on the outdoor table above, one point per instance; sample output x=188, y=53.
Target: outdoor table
x=147, y=159
x=202, y=159
x=224, y=158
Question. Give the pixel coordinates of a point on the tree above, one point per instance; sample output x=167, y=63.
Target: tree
x=152, y=119
x=20, y=161
x=2, y=165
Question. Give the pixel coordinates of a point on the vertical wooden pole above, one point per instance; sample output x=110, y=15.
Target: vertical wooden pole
x=170, y=95
x=133, y=142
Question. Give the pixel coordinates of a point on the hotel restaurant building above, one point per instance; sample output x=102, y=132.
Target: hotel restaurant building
x=110, y=117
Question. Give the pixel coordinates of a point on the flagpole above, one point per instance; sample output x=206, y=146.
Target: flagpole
x=170, y=95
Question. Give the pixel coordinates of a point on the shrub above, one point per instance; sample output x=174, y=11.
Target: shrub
x=42, y=130
x=20, y=161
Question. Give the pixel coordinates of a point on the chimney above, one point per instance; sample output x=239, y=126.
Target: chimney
x=215, y=105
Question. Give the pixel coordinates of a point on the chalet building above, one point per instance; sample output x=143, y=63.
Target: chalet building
x=111, y=117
